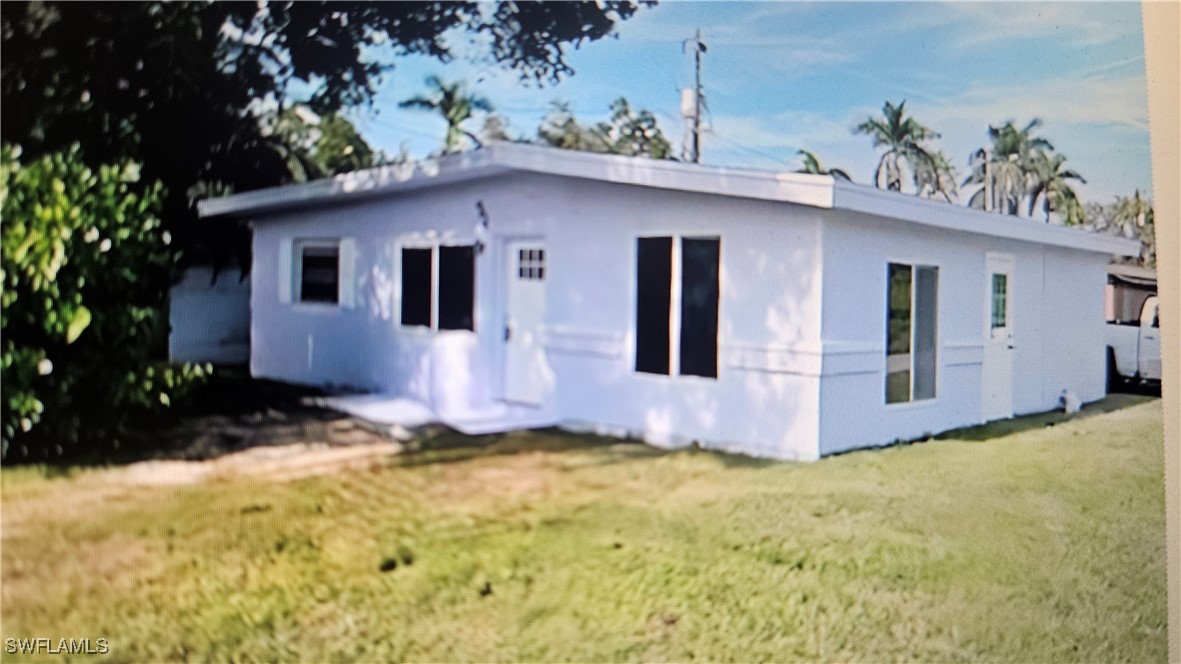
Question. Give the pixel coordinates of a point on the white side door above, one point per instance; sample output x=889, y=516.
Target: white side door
x=997, y=372
x=1149, y=364
x=524, y=358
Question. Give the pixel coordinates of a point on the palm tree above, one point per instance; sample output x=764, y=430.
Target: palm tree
x=1050, y=183
x=812, y=166
x=902, y=137
x=1003, y=171
x=936, y=176
x=455, y=105
x=1129, y=216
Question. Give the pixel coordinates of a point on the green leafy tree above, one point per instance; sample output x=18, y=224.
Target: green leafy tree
x=1004, y=169
x=84, y=270
x=174, y=85
x=561, y=129
x=902, y=137
x=635, y=133
x=1050, y=183
x=318, y=146
x=455, y=104
x=339, y=148
x=813, y=166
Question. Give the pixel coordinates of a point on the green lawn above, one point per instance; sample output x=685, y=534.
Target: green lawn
x=1041, y=544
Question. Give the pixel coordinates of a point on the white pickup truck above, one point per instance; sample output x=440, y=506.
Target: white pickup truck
x=1133, y=348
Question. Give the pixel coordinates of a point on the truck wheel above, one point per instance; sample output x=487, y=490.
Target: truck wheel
x=1114, y=380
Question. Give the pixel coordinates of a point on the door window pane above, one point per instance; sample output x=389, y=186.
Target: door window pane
x=1000, y=300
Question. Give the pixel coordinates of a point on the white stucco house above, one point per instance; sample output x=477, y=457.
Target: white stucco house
x=774, y=314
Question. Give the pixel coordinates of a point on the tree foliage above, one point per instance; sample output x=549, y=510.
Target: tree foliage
x=1049, y=182
x=813, y=166
x=171, y=85
x=318, y=146
x=1020, y=169
x=1003, y=169
x=455, y=104
x=936, y=176
x=903, y=137
x=84, y=267
x=1131, y=217
x=627, y=132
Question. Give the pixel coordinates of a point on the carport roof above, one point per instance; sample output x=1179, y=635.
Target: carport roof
x=819, y=191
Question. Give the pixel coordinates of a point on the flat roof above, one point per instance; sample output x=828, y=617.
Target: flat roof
x=819, y=191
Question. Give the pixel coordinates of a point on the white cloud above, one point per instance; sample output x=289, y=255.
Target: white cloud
x=996, y=22
x=1090, y=100
x=972, y=25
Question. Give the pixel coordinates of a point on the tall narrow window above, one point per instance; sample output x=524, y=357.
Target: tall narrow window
x=416, y=287
x=898, y=302
x=699, y=307
x=926, y=307
x=653, y=303
x=912, y=303
x=1000, y=300
x=319, y=273
x=457, y=288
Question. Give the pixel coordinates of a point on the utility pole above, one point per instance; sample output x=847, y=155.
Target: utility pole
x=693, y=112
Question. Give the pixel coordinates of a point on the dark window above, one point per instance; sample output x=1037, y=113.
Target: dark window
x=898, y=334
x=699, y=307
x=653, y=303
x=319, y=274
x=912, y=302
x=457, y=288
x=416, y=287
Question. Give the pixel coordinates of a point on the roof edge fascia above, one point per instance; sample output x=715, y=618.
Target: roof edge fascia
x=873, y=201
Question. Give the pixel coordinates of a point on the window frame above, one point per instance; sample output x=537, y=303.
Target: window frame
x=399, y=291
x=911, y=401
x=676, y=278
x=298, y=246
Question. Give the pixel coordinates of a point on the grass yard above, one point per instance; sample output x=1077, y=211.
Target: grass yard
x=1038, y=543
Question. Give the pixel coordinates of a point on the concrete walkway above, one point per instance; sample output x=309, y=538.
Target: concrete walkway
x=400, y=417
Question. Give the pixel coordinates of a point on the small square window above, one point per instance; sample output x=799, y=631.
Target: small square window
x=531, y=264
x=319, y=273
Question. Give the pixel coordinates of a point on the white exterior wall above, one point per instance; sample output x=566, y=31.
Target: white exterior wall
x=1056, y=314
x=784, y=389
x=209, y=319
x=764, y=401
x=359, y=343
x=765, y=398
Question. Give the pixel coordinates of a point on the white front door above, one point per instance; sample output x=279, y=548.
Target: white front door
x=524, y=358
x=997, y=378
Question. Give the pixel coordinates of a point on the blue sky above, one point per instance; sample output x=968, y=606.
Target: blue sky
x=780, y=76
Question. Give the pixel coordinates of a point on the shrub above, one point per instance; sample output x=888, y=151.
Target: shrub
x=85, y=274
